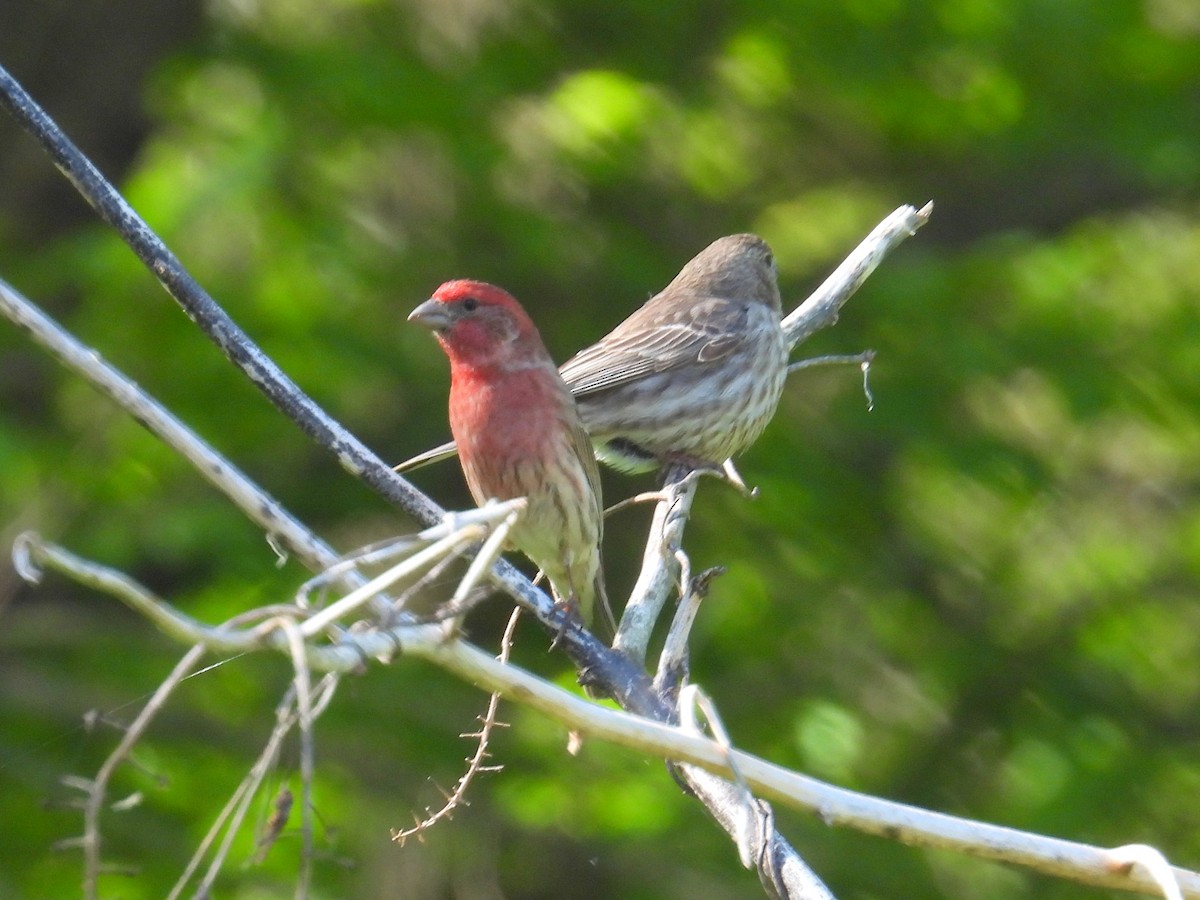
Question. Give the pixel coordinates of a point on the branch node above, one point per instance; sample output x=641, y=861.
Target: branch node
x=1125, y=859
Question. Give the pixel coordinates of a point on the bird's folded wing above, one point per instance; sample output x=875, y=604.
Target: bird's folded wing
x=703, y=333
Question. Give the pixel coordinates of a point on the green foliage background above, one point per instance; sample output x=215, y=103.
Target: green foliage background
x=981, y=597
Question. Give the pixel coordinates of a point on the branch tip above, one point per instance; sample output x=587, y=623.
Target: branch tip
x=24, y=552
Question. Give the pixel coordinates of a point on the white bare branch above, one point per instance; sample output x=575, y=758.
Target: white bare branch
x=821, y=309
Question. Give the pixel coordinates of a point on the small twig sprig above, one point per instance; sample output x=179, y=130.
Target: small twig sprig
x=476, y=762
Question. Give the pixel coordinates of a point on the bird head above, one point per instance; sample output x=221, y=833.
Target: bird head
x=476, y=322
x=735, y=266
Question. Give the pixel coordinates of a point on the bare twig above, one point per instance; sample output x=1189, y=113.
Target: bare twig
x=463, y=534
x=660, y=565
x=692, y=700
x=1152, y=862
x=673, y=661
x=233, y=814
x=259, y=506
x=99, y=785
x=302, y=682
x=748, y=821
x=510, y=512
x=820, y=310
x=475, y=763
x=853, y=359
x=635, y=500
x=862, y=360
x=285, y=394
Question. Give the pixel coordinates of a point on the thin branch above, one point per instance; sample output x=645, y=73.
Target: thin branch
x=660, y=567
x=452, y=544
x=259, y=506
x=821, y=309
x=475, y=764
x=302, y=681
x=748, y=821
x=851, y=359
x=1152, y=862
x=673, y=660
x=692, y=701
x=233, y=814
x=285, y=394
x=99, y=786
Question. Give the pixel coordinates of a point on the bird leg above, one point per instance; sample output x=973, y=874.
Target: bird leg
x=570, y=612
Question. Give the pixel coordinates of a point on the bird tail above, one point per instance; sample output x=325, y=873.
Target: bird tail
x=437, y=454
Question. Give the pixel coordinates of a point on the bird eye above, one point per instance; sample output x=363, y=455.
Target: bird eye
x=470, y=304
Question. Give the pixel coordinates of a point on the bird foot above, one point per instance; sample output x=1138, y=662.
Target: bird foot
x=570, y=615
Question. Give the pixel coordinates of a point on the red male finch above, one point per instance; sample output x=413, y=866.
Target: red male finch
x=691, y=377
x=519, y=435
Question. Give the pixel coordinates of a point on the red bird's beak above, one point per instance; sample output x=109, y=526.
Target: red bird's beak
x=432, y=314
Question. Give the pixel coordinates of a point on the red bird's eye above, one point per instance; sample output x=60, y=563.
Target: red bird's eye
x=470, y=304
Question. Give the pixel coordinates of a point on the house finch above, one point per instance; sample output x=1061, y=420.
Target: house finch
x=695, y=374
x=519, y=435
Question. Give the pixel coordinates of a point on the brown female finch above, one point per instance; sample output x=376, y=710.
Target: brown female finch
x=519, y=435
x=695, y=374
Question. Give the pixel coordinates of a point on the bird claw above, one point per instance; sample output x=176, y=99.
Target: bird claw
x=569, y=612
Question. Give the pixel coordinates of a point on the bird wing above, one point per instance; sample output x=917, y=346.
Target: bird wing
x=587, y=458
x=656, y=339
x=583, y=449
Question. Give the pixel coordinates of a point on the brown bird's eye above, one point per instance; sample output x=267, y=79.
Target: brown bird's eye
x=470, y=304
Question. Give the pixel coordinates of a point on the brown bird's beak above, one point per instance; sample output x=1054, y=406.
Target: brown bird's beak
x=433, y=315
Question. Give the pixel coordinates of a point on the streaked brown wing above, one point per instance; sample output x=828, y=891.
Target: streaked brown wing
x=649, y=341
x=582, y=445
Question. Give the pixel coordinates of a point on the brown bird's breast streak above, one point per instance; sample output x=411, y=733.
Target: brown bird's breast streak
x=708, y=382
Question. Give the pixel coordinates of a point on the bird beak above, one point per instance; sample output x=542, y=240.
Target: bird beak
x=433, y=315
